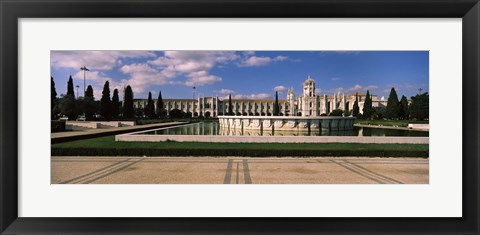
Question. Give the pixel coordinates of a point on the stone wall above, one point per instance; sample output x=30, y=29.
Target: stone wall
x=286, y=123
x=273, y=139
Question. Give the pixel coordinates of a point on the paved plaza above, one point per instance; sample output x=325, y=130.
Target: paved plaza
x=235, y=170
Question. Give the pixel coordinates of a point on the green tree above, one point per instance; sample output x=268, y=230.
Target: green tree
x=128, y=111
x=230, y=107
x=393, y=106
x=403, y=112
x=53, y=99
x=336, y=113
x=149, y=110
x=378, y=113
x=68, y=106
x=105, y=102
x=70, y=86
x=89, y=106
x=176, y=113
x=367, y=107
x=419, y=109
x=276, y=107
x=356, y=109
x=115, y=104
x=161, y=112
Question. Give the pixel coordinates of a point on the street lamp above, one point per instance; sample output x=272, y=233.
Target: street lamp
x=84, y=68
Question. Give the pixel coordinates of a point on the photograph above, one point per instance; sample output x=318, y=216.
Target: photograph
x=239, y=117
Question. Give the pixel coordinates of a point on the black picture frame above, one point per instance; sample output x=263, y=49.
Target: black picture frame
x=11, y=11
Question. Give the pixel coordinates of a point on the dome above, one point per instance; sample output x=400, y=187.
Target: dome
x=309, y=80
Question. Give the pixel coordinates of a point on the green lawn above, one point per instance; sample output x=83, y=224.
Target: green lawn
x=107, y=146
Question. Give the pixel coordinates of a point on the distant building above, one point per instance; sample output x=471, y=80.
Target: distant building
x=309, y=104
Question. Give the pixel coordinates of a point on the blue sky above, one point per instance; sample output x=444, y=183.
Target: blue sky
x=244, y=74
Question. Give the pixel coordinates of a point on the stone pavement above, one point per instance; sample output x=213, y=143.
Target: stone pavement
x=237, y=170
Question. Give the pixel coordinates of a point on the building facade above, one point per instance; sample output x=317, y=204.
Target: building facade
x=308, y=104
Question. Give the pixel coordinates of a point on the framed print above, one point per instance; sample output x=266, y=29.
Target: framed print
x=329, y=112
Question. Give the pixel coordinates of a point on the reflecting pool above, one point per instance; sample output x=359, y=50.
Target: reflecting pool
x=213, y=128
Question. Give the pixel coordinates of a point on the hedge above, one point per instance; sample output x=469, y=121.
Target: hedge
x=233, y=152
x=57, y=126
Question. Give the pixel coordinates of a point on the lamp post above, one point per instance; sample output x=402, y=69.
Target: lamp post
x=84, y=68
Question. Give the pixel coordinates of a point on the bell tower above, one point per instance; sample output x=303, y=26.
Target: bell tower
x=309, y=87
x=291, y=101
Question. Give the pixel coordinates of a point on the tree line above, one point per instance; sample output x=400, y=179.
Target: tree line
x=86, y=106
x=417, y=109
x=110, y=107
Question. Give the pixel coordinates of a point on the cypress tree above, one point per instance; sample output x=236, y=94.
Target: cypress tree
x=367, y=106
x=149, y=110
x=70, y=86
x=276, y=107
x=89, y=103
x=105, y=102
x=356, y=109
x=230, y=108
x=53, y=98
x=115, y=104
x=404, y=112
x=419, y=108
x=89, y=92
x=128, y=110
x=68, y=105
x=160, y=110
x=393, y=106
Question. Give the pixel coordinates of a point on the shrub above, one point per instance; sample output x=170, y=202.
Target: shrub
x=233, y=152
x=336, y=113
x=176, y=113
x=57, y=126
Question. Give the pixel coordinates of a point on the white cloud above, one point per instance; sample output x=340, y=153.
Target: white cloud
x=254, y=96
x=202, y=78
x=99, y=60
x=97, y=80
x=226, y=91
x=195, y=65
x=280, y=89
x=358, y=88
x=143, y=75
x=370, y=87
x=280, y=58
x=335, y=79
x=256, y=61
x=259, y=96
x=355, y=88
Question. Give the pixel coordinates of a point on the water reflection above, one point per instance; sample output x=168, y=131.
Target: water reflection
x=213, y=128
